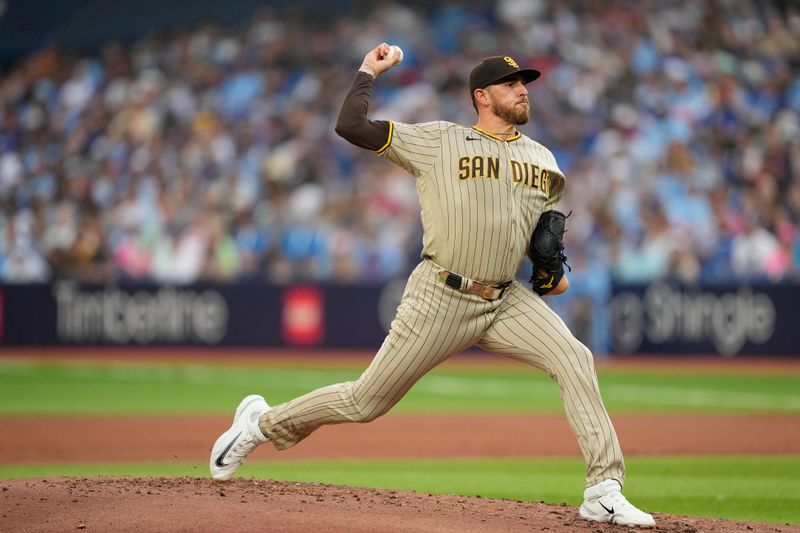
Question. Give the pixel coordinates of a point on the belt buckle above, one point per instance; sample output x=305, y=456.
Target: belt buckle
x=488, y=292
x=497, y=292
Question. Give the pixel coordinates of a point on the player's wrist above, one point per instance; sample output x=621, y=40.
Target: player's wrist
x=368, y=69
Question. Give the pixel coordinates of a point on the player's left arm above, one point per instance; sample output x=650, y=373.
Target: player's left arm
x=546, y=247
x=562, y=286
x=563, y=283
x=546, y=252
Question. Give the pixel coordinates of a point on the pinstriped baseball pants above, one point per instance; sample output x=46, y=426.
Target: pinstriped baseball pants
x=435, y=321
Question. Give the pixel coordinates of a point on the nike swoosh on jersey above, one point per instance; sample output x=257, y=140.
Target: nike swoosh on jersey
x=473, y=138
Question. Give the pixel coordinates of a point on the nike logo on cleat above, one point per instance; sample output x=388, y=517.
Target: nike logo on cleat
x=609, y=511
x=219, y=462
x=473, y=138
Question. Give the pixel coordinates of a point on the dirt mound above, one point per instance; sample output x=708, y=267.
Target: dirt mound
x=195, y=504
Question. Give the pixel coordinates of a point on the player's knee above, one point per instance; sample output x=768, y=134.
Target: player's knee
x=368, y=416
x=582, y=352
x=355, y=408
x=583, y=357
x=368, y=407
x=364, y=412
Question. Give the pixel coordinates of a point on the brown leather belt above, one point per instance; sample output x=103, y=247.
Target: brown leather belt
x=462, y=284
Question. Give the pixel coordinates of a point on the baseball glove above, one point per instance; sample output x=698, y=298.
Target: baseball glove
x=546, y=252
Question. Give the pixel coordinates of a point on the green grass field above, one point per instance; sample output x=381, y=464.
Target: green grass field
x=758, y=488
x=59, y=387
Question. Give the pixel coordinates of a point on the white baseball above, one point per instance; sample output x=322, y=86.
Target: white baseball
x=395, y=50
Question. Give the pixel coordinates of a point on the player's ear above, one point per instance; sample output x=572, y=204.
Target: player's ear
x=480, y=95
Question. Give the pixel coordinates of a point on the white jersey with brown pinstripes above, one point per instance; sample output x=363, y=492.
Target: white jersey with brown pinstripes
x=481, y=196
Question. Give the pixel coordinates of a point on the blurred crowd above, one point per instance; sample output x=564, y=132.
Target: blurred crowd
x=208, y=154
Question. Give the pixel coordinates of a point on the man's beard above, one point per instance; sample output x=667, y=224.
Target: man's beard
x=511, y=114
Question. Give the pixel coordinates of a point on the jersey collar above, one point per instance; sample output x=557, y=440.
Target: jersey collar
x=514, y=137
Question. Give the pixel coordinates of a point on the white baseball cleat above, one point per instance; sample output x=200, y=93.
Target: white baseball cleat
x=232, y=447
x=604, y=502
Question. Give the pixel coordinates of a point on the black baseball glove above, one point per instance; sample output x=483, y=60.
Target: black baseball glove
x=546, y=252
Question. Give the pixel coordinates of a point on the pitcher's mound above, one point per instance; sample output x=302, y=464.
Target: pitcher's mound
x=196, y=504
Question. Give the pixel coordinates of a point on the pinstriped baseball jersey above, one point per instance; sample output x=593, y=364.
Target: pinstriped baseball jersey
x=481, y=196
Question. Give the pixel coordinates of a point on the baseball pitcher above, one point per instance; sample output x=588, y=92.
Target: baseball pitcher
x=488, y=195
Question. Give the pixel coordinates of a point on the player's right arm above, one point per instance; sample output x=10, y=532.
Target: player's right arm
x=376, y=63
x=414, y=147
x=353, y=124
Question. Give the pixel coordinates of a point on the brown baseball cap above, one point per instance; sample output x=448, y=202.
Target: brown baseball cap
x=496, y=68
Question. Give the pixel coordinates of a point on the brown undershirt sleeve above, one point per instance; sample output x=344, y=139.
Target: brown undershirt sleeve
x=353, y=124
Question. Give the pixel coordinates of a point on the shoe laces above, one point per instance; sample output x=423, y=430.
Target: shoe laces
x=242, y=448
x=617, y=501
